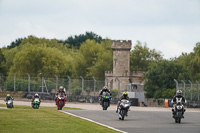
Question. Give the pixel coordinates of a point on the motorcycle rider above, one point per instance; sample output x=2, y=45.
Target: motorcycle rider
x=60, y=92
x=178, y=98
x=34, y=97
x=105, y=89
x=8, y=97
x=124, y=96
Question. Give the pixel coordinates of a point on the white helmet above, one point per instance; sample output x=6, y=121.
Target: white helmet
x=179, y=93
x=105, y=88
x=36, y=95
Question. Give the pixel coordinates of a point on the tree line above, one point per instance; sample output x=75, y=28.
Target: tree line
x=91, y=55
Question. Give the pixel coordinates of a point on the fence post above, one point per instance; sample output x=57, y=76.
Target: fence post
x=183, y=86
x=0, y=81
x=56, y=83
x=14, y=82
x=198, y=89
x=94, y=87
x=190, y=90
x=29, y=86
x=118, y=86
x=82, y=83
x=69, y=82
x=176, y=84
x=42, y=82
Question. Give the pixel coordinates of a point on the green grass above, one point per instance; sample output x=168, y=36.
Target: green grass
x=24, y=119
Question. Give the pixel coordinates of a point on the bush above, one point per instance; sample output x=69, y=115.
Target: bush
x=20, y=85
x=114, y=92
x=167, y=93
x=77, y=91
x=88, y=90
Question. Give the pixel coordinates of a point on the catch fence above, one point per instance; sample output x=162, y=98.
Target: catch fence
x=50, y=85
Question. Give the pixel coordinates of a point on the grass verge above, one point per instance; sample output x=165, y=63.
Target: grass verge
x=24, y=119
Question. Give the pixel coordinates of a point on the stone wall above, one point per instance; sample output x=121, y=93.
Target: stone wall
x=14, y=94
x=121, y=67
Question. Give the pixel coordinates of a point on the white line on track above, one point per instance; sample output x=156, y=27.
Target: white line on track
x=93, y=121
x=3, y=108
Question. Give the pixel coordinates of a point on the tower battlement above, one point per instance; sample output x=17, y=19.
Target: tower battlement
x=121, y=44
x=108, y=73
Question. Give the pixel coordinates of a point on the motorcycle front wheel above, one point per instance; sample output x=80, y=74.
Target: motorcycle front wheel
x=105, y=105
x=60, y=105
x=123, y=113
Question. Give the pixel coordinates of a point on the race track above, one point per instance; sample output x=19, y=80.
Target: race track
x=139, y=120
x=144, y=121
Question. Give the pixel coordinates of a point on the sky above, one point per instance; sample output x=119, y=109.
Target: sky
x=169, y=26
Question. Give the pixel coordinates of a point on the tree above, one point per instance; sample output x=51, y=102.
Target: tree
x=141, y=57
x=160, y=77
x=191, y=62
x=2, y=63
x=15, y=43
x=35, y=59
x=76, y=41
x=94, y=58
x=103, y=62
x=9, y=55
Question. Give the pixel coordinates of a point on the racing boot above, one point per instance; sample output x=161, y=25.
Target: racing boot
x=126, y=114
x=183, y=114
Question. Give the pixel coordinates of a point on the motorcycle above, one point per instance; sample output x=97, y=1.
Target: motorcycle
x=60, y=101
x=105, y=100
x=179, y=108
x=36, y=103
x=9, y=103
x=123, y=109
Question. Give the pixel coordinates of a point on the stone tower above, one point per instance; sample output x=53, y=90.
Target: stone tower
x=121, y=76
x=121, y=57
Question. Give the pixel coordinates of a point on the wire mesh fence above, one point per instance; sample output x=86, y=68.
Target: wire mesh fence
x=190, y=91
x=74, y=88
x=49, y=84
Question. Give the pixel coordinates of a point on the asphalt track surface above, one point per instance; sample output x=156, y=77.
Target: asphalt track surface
x=144, y=121
x=139, y=120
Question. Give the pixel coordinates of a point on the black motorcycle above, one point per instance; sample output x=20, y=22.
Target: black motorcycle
x=178, y=115
x=105, y=100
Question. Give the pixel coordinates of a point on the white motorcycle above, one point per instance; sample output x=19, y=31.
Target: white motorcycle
x=123, y=109
x=179, y=108
x=9, y=103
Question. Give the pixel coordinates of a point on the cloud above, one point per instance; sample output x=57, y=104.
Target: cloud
x=173, y=49
x=158, y=23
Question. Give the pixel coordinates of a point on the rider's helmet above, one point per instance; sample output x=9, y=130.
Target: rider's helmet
x=179, y=93
x=61, y=89
x=8, y=95
x=36, y=95
x=105, y=88
x=125, y=94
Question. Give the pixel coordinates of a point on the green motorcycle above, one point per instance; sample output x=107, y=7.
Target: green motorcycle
x=36, y=103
